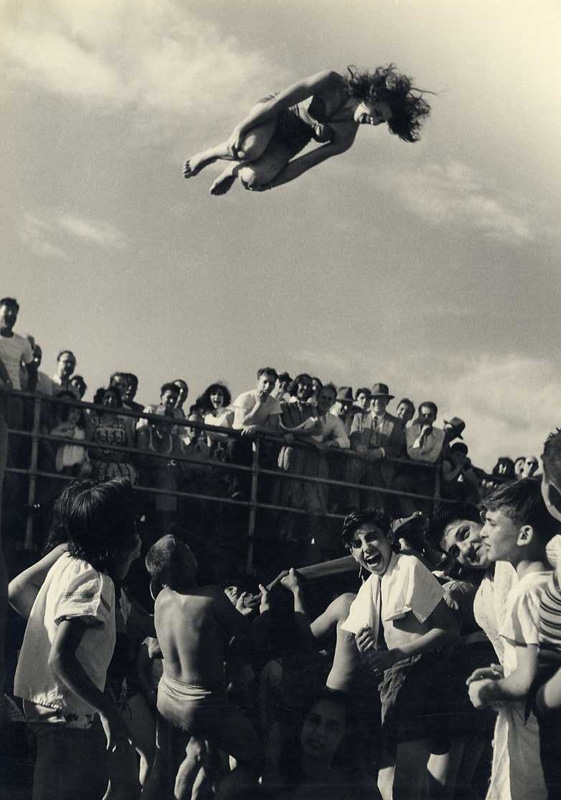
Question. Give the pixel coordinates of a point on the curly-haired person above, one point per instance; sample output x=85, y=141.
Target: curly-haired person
x=327, y=108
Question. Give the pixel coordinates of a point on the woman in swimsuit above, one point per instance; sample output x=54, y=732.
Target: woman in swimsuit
x=327, y=108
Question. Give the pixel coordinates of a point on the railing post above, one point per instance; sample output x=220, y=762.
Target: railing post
x=33, y=464
x=253, y=504
x=436, y=498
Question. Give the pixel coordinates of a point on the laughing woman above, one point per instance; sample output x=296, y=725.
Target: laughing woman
x=326, y=108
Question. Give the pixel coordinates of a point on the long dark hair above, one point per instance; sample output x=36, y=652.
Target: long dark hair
x=386, y=84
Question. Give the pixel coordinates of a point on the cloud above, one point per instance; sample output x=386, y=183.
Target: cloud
x=50, y=235
x=149, y=56
x=97, y=232
x=453, y=193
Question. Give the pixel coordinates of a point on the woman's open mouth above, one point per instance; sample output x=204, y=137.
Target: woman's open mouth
x=373, y=560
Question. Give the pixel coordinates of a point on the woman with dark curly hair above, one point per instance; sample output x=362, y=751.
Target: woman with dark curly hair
x=215, y=405
x=327, y=108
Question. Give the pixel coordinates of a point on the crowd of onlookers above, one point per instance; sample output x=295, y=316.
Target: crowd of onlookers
x=310, y=432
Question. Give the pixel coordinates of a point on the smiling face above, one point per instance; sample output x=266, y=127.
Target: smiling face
x=303, y=389
x=462, y=540
x=323, y=731
x=110, y=399
x=369, y=113
x=405, y=412
x=168, y=399
x=371, y=548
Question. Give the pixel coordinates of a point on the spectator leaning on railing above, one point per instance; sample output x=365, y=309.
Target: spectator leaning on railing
x=65, y=366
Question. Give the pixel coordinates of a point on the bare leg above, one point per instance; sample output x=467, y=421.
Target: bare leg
x=443, y=770
x=201, y=160
x=410, y=779
x=252, y=147
x=225, y=180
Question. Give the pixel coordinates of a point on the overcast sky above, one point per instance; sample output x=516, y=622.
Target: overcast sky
x=432, y=267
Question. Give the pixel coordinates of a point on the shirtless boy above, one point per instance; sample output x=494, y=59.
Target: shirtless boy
x=193, y=626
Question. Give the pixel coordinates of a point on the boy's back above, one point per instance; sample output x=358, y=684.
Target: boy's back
x=193, y=629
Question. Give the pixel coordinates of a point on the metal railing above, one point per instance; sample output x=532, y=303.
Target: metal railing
x=35, y=431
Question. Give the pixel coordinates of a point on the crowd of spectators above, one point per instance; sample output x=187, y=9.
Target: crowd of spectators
x=310, y=432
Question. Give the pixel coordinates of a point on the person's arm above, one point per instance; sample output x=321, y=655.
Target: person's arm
x=514, y=687
x=338, y=435
x=317, y=84
x=309, y=160
x=443, y=630
x=24, y=588
x=64, y=663
x=5, y=375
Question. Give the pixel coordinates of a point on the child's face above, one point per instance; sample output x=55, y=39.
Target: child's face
x=74, y=416
x=371, y=548
x=500, y=536
x=323, y=730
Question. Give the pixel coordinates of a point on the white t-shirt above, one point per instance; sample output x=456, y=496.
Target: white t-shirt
x=406, y=589
x=246, y=402
x=72, y=588
x=13, y=350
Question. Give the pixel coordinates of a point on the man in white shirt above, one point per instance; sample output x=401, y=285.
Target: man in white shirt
x=255, y=411
x=16, y=358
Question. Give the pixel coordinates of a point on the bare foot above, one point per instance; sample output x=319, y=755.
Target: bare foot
x=195, y=164
x=223, y=183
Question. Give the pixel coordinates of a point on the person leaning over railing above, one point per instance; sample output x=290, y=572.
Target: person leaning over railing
x=108, y=427
x=376, y=437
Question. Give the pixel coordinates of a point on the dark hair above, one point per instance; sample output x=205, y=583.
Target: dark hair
x=10, y=301
x=101, y=392
x=97, y=521
x=166, y=562
x=62, y=352
x=204, y=400
x=290, y=761
x=407, y=402
x=374, y=516
x=522, y=502
x=64, y=409
x=170, y=387
x=388, y=85
x=551, y=457
x=330, y=385
x=284, y=377
x=508, y=463
x=132, y=378
x=428, y=404
x=79, y=379
x=362, y=390
x=318, y=380
x=459, y=447
x=293, y=387
x=182, y=382
x=267, y=371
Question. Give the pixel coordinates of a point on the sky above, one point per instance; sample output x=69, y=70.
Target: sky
x=431, y=267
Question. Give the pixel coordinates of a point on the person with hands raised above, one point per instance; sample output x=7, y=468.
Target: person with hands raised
x=194, y=625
